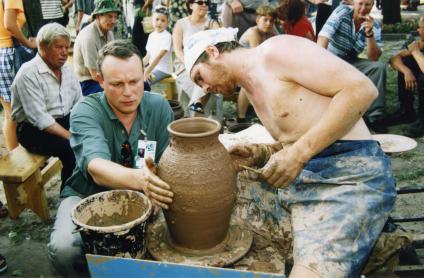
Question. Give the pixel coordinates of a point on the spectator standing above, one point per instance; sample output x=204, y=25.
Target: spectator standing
x=83, y=8
x=56, y=11
x=44, y=92
x=90, y=40
x=139, y=36
x=185, y=27
x=12, y=19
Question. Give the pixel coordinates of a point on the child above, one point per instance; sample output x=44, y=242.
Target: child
x=295, y=22
x=254, y=36
x=159, y=45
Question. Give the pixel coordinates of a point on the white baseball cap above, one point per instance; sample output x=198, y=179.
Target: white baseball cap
x=198, y=42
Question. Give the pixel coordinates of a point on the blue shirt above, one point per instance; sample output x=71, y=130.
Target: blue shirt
x=340, y=31
x=96, y=132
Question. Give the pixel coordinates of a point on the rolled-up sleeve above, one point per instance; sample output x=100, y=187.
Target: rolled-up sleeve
x=87, y=137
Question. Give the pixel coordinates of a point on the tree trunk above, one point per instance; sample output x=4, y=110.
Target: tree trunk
x=391, y=11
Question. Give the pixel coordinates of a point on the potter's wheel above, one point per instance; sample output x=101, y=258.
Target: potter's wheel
x=234, y=247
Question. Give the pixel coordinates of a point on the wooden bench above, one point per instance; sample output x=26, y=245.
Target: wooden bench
x=24, y=175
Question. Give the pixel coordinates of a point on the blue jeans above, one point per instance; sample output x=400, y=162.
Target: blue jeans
x=339, y=204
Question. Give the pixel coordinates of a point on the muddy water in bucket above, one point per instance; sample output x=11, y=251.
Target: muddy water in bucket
x=113, y=223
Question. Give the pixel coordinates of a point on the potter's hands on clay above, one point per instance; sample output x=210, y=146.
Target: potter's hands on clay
x=252, y=155
x=282, y=168
x=155, y=188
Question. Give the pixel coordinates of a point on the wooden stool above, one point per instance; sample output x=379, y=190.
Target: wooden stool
x=24, y=179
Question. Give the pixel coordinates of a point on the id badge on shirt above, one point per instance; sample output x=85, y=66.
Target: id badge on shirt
x=145, y=149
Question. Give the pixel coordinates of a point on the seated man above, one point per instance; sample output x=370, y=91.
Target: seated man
x=241, y=14
x=331, y=175
x=44, y=92
x=346, y=33
x=89, y=41
x=410, y=66
x=105, y=128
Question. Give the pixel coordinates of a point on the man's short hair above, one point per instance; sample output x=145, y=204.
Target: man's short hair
x=51, y=32
x=122, y=49
x=222, y=47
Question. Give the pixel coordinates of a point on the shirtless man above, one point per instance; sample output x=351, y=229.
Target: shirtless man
x=333, y=177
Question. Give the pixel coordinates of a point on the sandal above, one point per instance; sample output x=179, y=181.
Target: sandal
x=3, y=210
x=3, y=264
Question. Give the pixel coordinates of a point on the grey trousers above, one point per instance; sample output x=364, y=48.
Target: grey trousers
x=376, y=71
x=65, y=247
x=242, y=21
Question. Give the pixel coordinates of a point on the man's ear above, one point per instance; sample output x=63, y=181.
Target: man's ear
x=99, y=78
x=212, y=51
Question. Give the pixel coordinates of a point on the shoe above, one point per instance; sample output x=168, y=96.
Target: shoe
x=416, y=129
x=3, y=264
x=400, y=117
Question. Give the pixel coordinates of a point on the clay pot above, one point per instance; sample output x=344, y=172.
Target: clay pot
x=176, y=108
x=200, y=172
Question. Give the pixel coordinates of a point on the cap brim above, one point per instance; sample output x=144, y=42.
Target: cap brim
x=197, y=95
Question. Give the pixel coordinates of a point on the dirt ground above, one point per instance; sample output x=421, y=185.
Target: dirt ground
x=23, y=241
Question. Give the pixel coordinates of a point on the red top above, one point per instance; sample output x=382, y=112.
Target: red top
x=301, y=28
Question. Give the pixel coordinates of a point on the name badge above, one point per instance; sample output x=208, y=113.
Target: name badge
x=145, y=149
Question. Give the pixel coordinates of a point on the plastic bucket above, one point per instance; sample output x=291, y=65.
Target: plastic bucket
x=113, y=223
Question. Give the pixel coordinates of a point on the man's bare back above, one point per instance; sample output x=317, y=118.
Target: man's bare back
x=286, y=108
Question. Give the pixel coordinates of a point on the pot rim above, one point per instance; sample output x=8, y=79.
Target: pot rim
x=214, y=130
x=113, y=228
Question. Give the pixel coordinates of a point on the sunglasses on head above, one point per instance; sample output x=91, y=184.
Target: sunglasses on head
x=126, y=154
x=200, y=3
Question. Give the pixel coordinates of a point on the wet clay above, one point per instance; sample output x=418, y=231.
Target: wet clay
x=110, y=220
x=113, y=223
x=200, y=172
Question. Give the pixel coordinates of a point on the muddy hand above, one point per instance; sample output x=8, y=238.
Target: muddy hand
x=282, y=168
x=242, y=154
x=158, y=190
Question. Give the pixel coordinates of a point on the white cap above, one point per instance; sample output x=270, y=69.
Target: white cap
x=198, y=42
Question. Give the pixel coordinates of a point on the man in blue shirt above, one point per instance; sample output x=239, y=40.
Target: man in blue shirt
x=105, y=128
x=346, y=33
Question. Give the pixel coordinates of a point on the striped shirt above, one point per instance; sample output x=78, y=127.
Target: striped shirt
x=38, y=97
x=340, y=31
x=51, y=9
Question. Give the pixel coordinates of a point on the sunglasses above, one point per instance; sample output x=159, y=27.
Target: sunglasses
x=200, y=3
x=126, y=154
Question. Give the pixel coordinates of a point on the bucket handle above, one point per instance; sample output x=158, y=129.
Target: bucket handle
x=77, y=230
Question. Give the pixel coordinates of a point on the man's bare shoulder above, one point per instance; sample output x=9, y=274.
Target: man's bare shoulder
x=285, y=45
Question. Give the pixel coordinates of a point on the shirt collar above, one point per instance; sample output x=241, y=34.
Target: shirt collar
x=42, y=67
